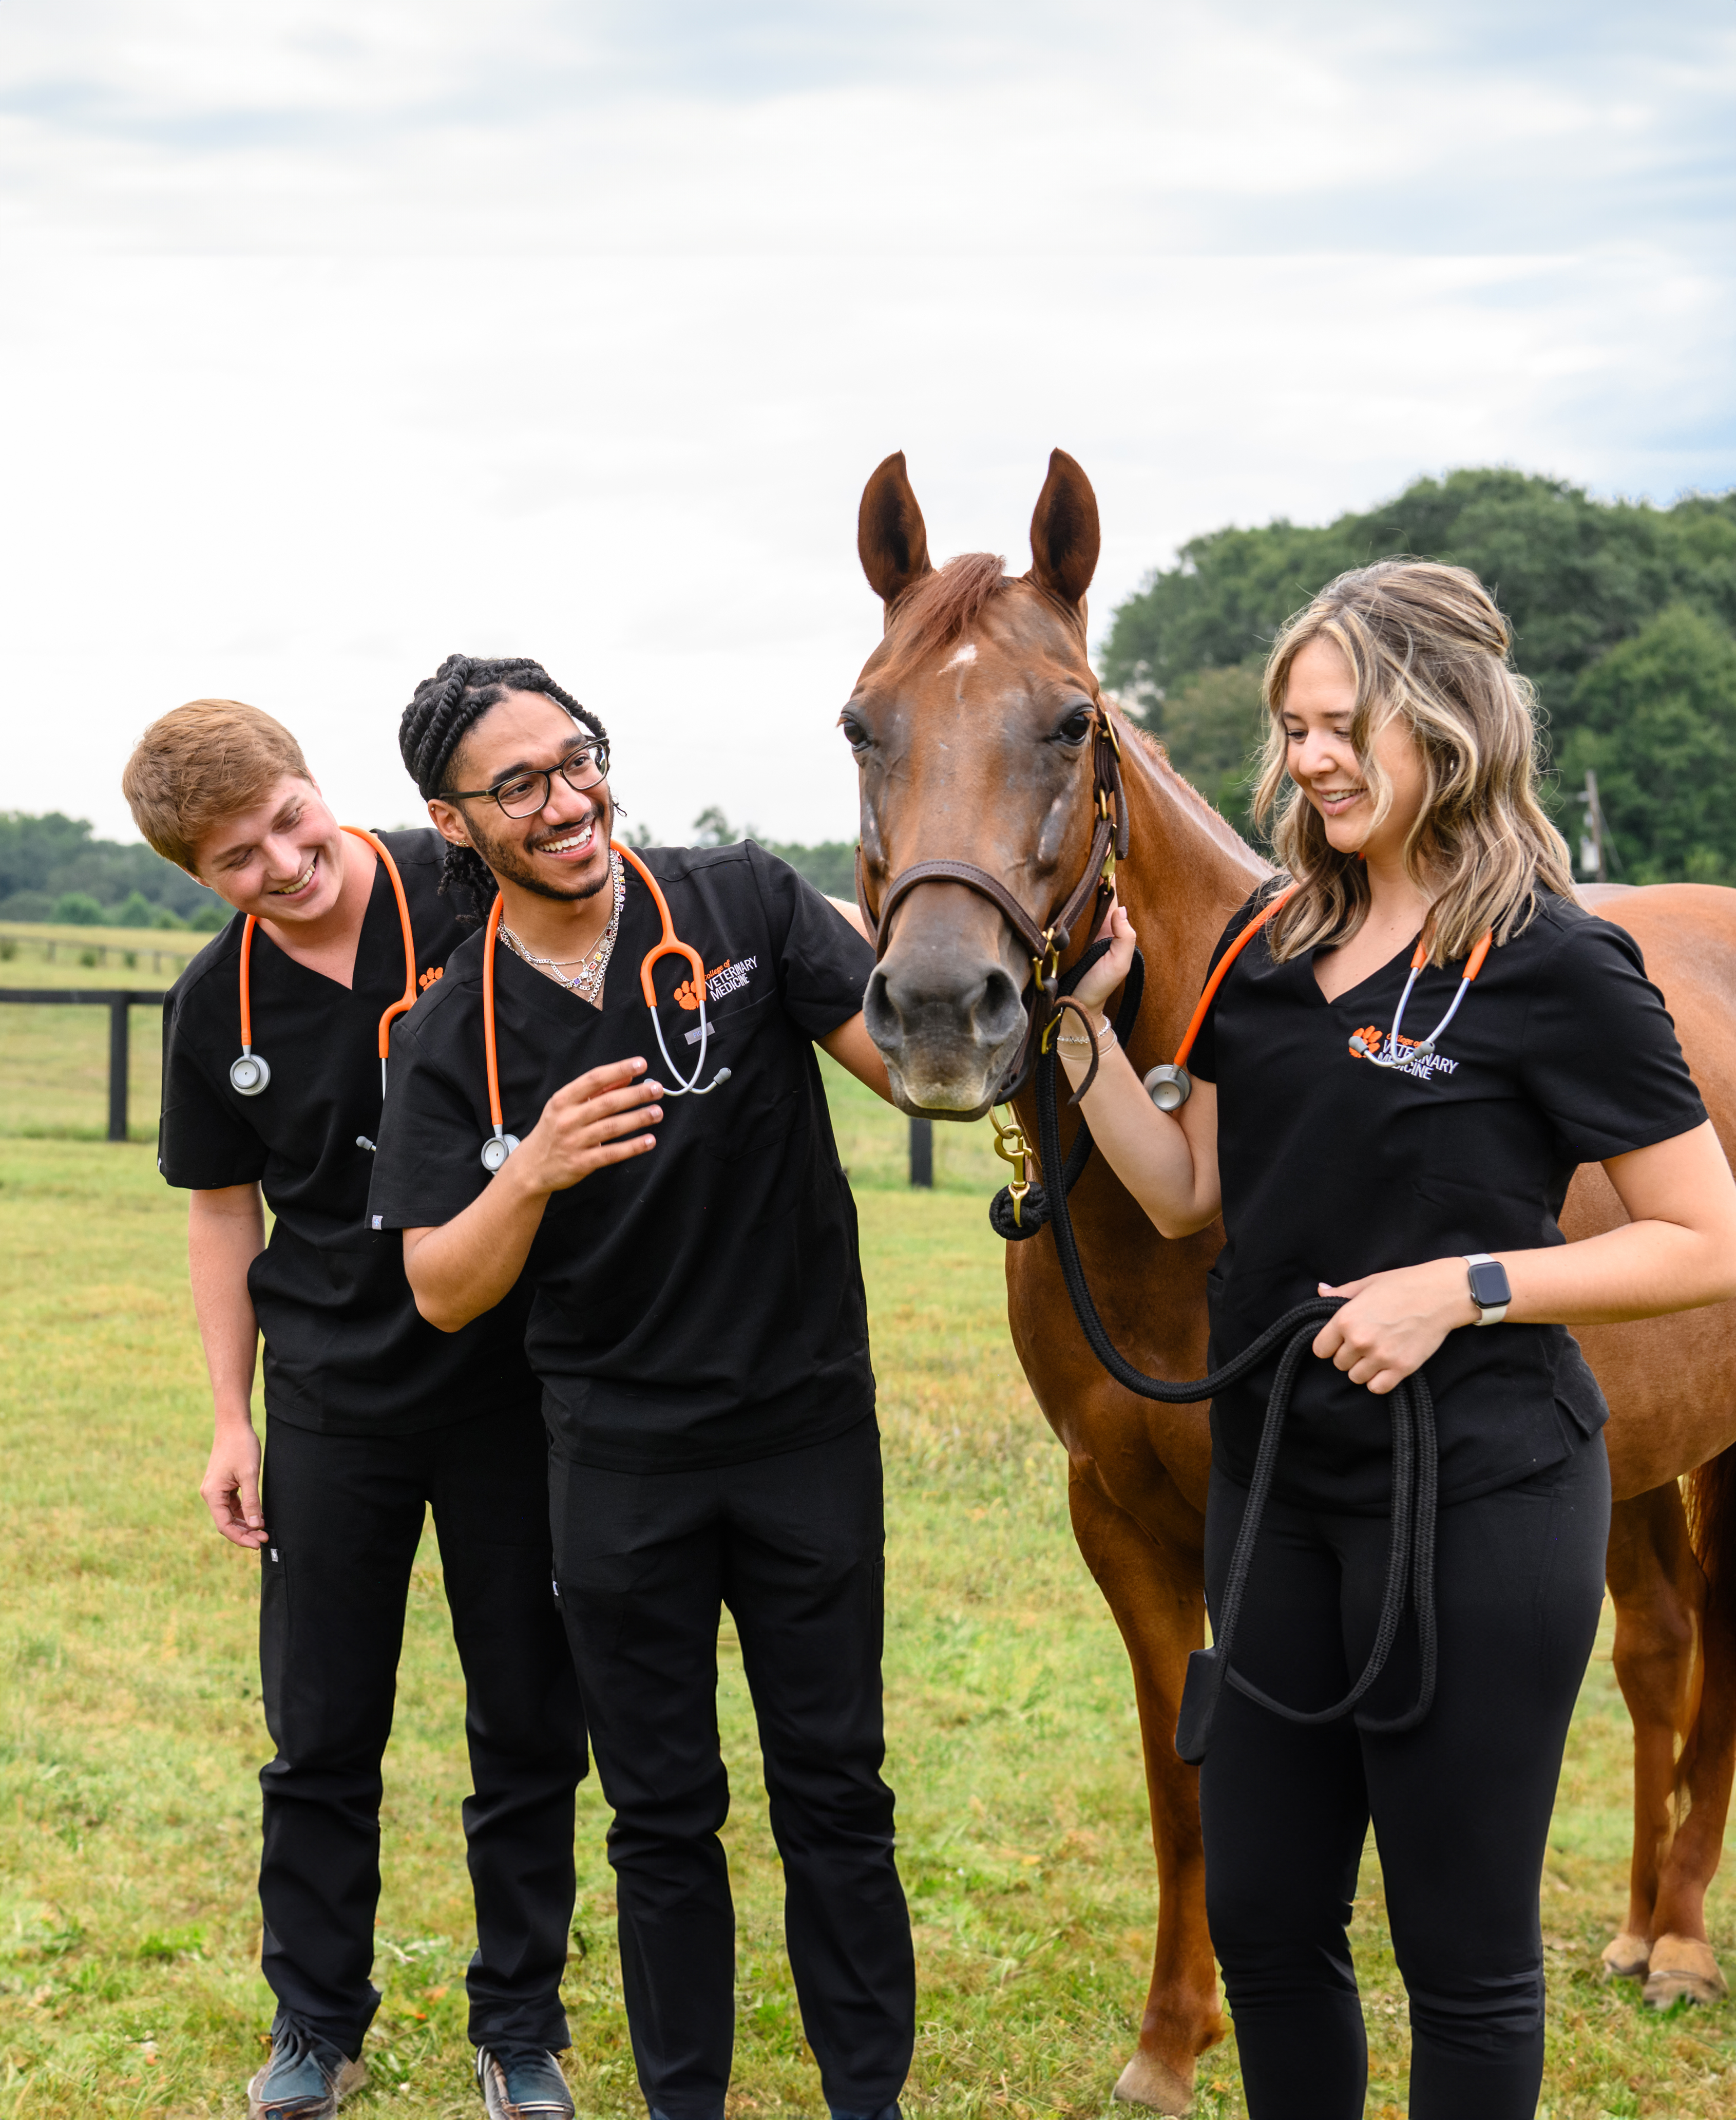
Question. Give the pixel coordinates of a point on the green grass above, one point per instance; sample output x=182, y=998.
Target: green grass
x=54, y=1062
x=36, y=953
x=130, y=1732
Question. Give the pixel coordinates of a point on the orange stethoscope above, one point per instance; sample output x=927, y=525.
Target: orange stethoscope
x=1169, y=1084
x=499, y=1144
x=251, y=1073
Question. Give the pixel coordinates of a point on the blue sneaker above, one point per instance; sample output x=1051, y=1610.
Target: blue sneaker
x=307, y=2077
x=522, y=2083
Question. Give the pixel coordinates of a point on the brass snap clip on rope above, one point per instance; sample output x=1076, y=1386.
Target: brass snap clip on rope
x=1012, y=1147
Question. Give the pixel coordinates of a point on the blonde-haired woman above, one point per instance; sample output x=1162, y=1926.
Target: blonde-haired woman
x=1356, y=1148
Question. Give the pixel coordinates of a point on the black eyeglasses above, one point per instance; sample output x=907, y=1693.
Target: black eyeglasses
x=522, y=794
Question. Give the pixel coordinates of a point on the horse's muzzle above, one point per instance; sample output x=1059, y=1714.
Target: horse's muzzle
x=949, y=1033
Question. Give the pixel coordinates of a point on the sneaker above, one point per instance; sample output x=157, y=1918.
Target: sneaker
x=307, y=2077
x=522, y=2083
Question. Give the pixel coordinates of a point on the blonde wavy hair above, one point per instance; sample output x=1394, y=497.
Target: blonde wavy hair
x=1425, y=643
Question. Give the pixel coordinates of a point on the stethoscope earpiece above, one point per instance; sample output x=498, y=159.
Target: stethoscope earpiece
x=496, y=1150
x=248, y=1075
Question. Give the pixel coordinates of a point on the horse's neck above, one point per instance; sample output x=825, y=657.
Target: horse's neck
x=1187, y=872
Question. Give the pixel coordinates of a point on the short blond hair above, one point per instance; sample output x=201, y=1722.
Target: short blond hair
x=1427, y=645
x=199, y=764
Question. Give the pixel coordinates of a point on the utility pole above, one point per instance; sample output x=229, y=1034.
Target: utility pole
x=1593, y=859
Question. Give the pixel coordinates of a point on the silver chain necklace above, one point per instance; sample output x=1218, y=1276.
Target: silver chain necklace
x=587, y=981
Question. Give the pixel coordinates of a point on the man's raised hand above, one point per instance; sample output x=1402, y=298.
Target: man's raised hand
x=598, y=1118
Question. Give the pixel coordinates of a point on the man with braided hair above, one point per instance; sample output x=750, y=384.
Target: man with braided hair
x=698, y=1321
x=372, y=1417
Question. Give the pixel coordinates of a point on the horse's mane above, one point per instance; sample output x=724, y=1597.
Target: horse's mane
x=942, y=605
x=1159, y=750
x=1217, y=825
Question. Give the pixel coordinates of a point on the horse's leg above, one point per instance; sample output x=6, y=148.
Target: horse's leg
x=1157, y=1597
x=1682, y=1959
x=1659, y=1592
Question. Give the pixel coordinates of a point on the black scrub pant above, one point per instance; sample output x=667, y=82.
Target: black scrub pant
x=345, y=1514
x=1460, y=1805
x=794, y=1545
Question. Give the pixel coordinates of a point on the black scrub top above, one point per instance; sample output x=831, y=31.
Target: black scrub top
x=1562, y=1053
x=346, y=1352
x=700, y=1305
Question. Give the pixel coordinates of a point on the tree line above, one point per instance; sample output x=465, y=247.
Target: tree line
x=1624, y=618
x=55, y=867
x=1624, y=615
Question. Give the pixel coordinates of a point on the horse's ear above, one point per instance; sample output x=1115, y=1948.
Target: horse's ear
x=890, y=534
x=1064, y=538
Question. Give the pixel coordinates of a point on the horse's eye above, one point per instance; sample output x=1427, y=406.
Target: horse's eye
x=855, y=735
x=1077, y=727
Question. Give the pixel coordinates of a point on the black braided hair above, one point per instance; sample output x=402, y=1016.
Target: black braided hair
x=436, y=722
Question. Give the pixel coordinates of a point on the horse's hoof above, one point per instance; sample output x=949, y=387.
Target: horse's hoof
x=1150, y=2082
x=1684, y=1968
x=1627, y=1957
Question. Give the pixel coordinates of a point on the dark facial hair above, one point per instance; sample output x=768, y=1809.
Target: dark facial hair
x=506, y=858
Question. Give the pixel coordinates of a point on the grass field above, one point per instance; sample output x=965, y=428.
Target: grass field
x=130, y=1730
x=54, y=1062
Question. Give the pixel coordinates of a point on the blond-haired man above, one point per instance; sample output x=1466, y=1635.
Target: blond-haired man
x=372, y=1417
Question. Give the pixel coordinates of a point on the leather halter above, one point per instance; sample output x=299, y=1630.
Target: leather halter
x=1045, y=946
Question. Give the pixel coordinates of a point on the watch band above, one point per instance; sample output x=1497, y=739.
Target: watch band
x=1489, y=1313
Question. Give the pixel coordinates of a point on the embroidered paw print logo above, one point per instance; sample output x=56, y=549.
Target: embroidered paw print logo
x=688, y=994
x=429, y=977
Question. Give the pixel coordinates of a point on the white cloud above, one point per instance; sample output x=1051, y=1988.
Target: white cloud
x=338, y=337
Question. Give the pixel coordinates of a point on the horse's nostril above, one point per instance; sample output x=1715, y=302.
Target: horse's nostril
x=878, y=1014
x=1000, y=1010
x=904, y=1002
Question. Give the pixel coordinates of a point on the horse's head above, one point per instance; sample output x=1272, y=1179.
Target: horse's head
x=972, y=724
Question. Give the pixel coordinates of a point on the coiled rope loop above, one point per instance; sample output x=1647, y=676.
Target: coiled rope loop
x=1410, y=1561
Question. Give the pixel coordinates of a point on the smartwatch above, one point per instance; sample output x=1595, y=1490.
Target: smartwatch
x=1490, y=1288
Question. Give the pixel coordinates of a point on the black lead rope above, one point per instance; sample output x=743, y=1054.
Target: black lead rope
x=1410, y=1561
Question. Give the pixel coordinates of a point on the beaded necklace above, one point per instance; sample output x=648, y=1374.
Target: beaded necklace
x=587, y=981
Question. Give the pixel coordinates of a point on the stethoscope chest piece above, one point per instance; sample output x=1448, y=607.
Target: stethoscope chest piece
x=248, y=1075
x=496, y=1150
x=1169, y=1086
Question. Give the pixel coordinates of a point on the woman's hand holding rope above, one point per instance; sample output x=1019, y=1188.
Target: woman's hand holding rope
x=1392, y=1322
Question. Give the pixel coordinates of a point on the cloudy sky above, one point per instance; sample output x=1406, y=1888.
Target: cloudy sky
x=341, y=333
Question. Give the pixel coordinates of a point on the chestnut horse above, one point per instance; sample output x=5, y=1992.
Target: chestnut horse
x=973, y=725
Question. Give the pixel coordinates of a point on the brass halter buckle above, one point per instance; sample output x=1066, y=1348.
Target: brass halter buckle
x=1047, y=967
x=1012, y=1147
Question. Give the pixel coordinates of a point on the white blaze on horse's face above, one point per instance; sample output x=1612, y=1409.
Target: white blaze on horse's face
x=970, y=725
